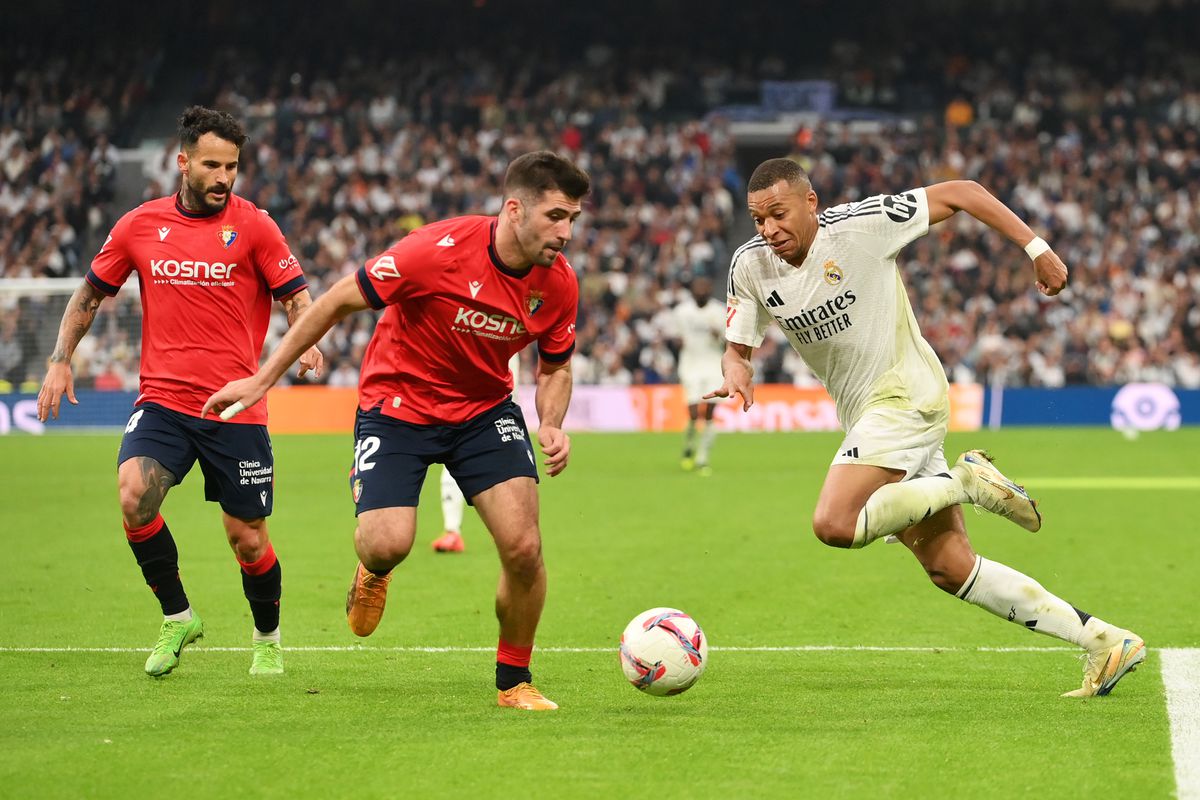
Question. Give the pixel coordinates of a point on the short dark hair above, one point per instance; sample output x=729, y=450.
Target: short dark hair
x=198, y=120
x=544, y=171
x=774, y=170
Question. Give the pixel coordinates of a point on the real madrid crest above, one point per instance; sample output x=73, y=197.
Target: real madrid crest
x=833, y=275
x=227, y=235
x=534, y=301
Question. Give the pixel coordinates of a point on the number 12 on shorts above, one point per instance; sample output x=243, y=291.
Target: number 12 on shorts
x=363, y=450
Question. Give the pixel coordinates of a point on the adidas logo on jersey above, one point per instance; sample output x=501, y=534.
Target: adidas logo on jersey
x=774, y=300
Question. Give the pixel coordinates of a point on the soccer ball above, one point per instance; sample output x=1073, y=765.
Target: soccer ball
x=663, y=651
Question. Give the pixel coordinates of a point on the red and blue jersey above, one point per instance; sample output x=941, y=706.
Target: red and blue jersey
x=207, y=284
x=454, y=316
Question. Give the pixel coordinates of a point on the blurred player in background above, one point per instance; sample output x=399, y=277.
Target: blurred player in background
x=699, y=324
x=462, y=296
x=209, y=264
x=830, y=281
x=453, y=501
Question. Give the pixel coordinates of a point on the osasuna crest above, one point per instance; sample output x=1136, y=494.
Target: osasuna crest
x=534, y=301
x=227, y=235
x=357, y=491
x=833, y=274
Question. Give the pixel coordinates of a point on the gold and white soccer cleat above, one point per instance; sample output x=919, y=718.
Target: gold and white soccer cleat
x=365, y=600
x=990, y=490
x=526, y=697
x=1109, y=663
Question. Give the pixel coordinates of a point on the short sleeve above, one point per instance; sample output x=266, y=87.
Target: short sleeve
x=746, y=321
x=883, y=223
x=112, y=265
x=390, y=277
x=274, y=259
x=556, y=344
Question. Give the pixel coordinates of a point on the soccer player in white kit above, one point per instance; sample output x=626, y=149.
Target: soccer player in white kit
x=699, y=324
x=453, y=501
x=830, y=281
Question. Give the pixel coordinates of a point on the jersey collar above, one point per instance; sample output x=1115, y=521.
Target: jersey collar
x=495, y=257
x=195, y=214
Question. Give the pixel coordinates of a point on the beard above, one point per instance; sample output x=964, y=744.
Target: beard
x=196, y=196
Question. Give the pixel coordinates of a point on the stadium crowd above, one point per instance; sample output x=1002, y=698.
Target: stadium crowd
x=1103, y=161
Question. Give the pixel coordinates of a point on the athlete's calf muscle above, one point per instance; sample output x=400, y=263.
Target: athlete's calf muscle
x=143, y=484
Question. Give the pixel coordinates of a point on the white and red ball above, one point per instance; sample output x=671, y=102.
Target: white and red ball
x=663, y=651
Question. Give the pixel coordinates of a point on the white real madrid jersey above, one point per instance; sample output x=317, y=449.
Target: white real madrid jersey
x=701, y=332
x=845, y=310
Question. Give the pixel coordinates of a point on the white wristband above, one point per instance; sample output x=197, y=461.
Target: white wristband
x=1036, y=248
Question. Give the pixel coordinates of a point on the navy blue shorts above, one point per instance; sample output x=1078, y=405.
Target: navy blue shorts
x=391, y=457
x=236, y=459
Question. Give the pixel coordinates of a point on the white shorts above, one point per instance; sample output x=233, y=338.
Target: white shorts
x=697, y=383
x=898, y=438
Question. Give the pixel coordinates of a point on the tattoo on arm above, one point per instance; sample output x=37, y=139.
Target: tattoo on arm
x=157, y=479
x=77, y=319
x=295, y=305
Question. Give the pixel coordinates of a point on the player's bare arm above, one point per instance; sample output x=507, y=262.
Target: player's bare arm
x=554, y=383
x=343, y=299
x=739, y=374
x=946, y=199
x=312, y=358
x=76, y=321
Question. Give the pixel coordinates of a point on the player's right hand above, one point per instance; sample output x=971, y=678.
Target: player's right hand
x=245, y=392
x=735, y=383
x=58, y=380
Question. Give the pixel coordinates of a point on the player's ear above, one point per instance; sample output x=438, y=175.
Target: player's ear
x=182, y=161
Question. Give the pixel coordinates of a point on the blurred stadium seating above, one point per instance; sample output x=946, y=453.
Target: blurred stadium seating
x=364, y=125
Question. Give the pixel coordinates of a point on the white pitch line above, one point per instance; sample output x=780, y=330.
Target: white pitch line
x=1140, y=483
x=808, y=648
x=1181, y=679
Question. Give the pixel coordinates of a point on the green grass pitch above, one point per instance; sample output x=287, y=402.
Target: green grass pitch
x=624, y=530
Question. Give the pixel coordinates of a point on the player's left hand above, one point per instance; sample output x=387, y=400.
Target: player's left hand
x=311, y=360
x=556, y=446
x=1051, y=273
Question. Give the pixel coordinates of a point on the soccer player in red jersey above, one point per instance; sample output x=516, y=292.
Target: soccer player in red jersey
x=461, y=296
x=209, y=264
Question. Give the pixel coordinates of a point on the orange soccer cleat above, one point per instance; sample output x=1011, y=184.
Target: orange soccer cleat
x=365, y=600
x=524, y=696
x=449, y=542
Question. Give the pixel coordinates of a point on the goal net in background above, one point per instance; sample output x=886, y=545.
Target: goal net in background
x=105, y=364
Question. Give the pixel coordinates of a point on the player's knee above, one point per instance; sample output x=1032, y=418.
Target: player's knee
x=248, y=538
x=523, y=557
x=137, y=505
x=943, y=579
x=833, y=531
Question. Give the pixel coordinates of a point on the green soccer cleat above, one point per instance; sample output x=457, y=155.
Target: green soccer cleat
x=172, y=638
x=268, y=659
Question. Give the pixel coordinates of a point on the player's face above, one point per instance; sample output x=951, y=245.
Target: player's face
x=544, y=225
x=786, y=216
x=701, y=291
x=209, y=170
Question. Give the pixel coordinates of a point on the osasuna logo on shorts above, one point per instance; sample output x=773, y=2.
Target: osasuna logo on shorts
x=900, y=207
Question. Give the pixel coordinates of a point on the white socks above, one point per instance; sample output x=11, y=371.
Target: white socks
x=182, y=616
x=706, y=439
x=1020, y=599
x=452, y=502
x=897, y=506
x=273, y=636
